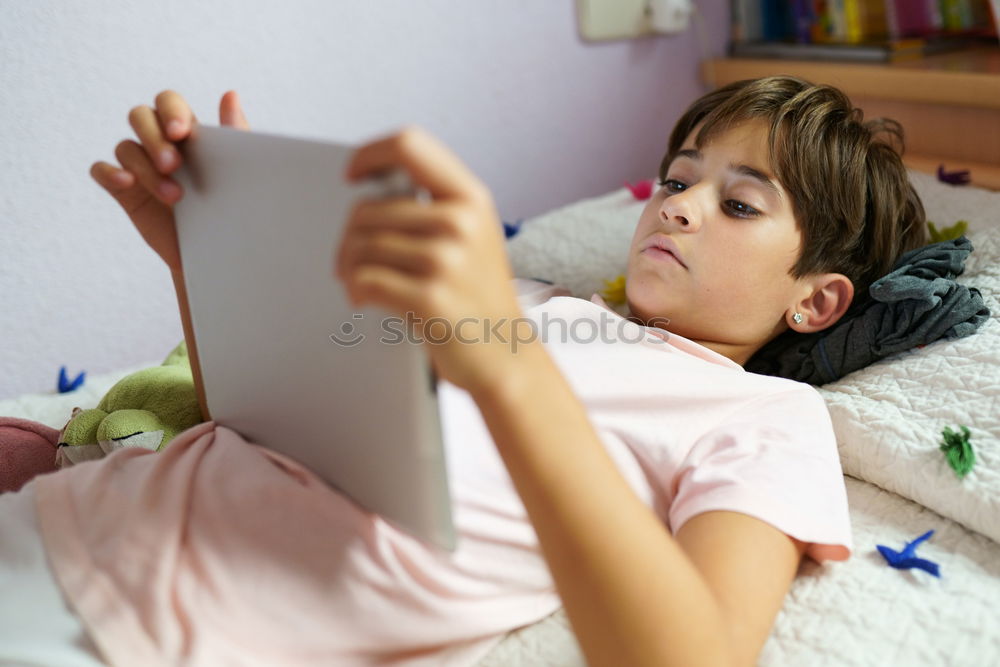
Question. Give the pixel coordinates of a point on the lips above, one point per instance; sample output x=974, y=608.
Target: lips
x=666, y=244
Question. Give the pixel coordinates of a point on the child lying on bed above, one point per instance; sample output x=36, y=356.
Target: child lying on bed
x=643, y=480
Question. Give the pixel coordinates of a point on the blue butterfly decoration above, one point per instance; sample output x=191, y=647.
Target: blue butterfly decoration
x=905, y=559
x=65, y=385
x=511, y=228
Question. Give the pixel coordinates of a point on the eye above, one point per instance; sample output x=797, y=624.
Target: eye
x=672, y=185
x=740, y=210
x=733, y=207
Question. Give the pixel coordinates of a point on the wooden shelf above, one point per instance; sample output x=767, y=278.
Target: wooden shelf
x=948, y=104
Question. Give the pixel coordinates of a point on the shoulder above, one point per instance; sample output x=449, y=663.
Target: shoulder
x=783, y=413
x=779, y=397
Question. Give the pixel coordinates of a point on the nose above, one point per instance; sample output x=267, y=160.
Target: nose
x=680, y=209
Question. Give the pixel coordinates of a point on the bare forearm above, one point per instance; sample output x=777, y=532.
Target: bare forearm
x=182, y=305
x=632, y=595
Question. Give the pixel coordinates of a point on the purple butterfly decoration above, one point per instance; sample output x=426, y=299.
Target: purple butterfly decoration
x=961, y=177
x=905, y=559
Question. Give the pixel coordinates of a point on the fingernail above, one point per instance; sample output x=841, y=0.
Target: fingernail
x=174, y=128
x=168, y=190
x=166, y=158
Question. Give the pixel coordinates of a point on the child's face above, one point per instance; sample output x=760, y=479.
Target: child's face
x=737, y=238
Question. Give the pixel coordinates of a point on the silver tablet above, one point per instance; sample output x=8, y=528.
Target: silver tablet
x=285, y=359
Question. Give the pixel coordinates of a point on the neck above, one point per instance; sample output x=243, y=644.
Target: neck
x=738, y=352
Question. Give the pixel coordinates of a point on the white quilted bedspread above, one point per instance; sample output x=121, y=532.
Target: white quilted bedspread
x=859, y=613
x=889, y=416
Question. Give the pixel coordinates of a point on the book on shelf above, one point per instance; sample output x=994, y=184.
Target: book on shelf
x=872, y=51
x=859, y=30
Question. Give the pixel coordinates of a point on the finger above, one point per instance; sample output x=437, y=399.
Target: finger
x=401, y=214
x=430, y=164
x=404, y=214
x=175, y=115
x=230, y=112
x=123, y=186
x=405, y=252
x=162, y=153
x=111, y=178
x=135, y=160
x=386, y=287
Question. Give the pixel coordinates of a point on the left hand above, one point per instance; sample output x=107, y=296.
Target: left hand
x=443, y=259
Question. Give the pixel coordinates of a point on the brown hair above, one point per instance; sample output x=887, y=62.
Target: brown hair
x=851, y=195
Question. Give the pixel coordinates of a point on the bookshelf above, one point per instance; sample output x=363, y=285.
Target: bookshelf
x=948, y=104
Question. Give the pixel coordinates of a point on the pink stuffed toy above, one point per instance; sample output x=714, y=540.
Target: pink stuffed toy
x=27, y=449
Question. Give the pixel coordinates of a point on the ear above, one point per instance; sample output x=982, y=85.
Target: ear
x=830, y=296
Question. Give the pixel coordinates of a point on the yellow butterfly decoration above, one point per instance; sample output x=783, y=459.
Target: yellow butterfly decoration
x=614, y=290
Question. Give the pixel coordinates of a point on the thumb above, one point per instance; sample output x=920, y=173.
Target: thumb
x=230, y=112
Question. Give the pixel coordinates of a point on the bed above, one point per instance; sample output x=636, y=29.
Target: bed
x=888, y=419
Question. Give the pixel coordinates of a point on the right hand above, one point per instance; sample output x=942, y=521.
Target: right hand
x=146, y=165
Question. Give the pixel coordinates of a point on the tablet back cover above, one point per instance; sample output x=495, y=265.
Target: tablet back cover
x=258, y=226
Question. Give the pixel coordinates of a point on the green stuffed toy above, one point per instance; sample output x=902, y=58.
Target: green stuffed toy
x=145, y=409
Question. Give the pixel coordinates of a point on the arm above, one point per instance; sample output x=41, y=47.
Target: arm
x=634, y=594
x=192, y=348
x=136, y=186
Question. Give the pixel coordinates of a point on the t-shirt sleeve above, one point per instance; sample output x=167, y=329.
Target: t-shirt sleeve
x=774, y=459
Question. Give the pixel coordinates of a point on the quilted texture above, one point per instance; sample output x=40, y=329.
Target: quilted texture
x=860, y=613
x=889, y=416
x=578, y=246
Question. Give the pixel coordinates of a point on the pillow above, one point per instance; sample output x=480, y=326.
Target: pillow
x=580, y=245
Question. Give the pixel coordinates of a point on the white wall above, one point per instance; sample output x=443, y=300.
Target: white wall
x=541, y=116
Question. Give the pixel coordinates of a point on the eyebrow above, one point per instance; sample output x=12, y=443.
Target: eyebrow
x=744, y=169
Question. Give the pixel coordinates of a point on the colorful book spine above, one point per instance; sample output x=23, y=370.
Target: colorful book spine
x=802, y=20
x=746, y=21
x=838, y=20
x=934, y=13
x=910, y=18
x=853, y=20
x=951, y=14
x=774, y=20
x=893, y=24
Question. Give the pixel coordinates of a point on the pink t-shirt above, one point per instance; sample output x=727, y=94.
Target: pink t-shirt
x=220, y=552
